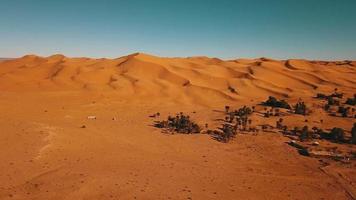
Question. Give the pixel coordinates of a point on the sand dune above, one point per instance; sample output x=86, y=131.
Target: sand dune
x=49, y=149
x=143, y=74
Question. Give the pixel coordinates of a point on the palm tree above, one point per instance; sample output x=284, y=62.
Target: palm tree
x=227, y=108
x=353, y=134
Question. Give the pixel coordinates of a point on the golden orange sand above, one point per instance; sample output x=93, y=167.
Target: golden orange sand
x=45, y=154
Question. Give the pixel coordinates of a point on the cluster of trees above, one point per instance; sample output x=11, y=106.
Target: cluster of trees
x=353, y=134
x=335, y=94
x=228, y=132
x=300, y=108
x=351, y=101
x=271, y=112
x=344, y=111
x=180, y=123
x=336, y=134
x=274, y=102
x=235, y=120
x=334, y=100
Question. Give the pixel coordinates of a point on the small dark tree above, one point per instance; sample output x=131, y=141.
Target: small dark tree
x=228, y=132
x=351, y=101
x=331, y=101
x=295, y=130
x=337, y=134
x=300, y=108
x=227, y=108
x=326, y=107
x=227, y=118
x=353, y=134
x=278, y=125
x=304, y=135
x=285, y=129
x=343, y=111
x=321, y=96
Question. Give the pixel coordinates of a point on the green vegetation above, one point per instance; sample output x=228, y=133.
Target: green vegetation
x=351, y=101
x=273, y=102
x=300, y=108
x=180, y=124
x=353, y=134
x=337, y=134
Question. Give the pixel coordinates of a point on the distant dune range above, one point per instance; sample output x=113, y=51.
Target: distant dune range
x=197, y=79
x=3, y=59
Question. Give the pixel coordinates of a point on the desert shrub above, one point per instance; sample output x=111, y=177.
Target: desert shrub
x=279, y=125
x=353, y=134
x=180, y=124
x=317, y=133
x=304, y=134
x=335, y=94
x=351, y=101
x=244, y=111
x=343, y=111
x=300, y=108
x=337, y=134
x=273, y=102
x=228, y=132
x=326, y=107
x=321, y=96
x=332, y=101
x=295, y=130
x=227, y=108
x=338, y=95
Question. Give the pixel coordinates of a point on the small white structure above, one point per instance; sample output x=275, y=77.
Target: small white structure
x=92, y=117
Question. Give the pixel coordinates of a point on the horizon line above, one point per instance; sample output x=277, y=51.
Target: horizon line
x=158, y=56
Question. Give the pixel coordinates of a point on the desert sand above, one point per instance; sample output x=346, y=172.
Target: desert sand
x=49, y=149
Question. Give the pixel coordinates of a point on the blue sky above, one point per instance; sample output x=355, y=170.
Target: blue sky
x=312, y=29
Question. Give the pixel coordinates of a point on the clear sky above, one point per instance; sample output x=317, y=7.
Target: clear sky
x=313, y=29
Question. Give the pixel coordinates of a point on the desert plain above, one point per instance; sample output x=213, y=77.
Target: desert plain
x=80, y=128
